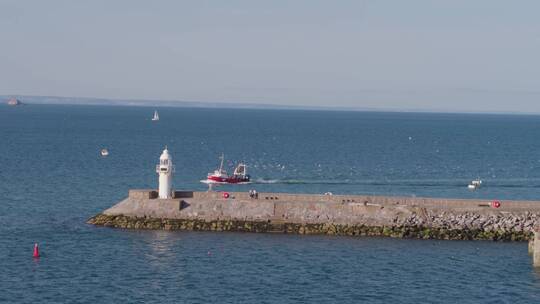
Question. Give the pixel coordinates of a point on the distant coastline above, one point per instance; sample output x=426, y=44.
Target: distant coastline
x=61, y=100
x=94, y=101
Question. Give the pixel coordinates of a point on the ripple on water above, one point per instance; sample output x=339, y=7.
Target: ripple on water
x=52, y=179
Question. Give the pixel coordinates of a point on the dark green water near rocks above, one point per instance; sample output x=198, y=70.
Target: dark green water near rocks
x=52, y=180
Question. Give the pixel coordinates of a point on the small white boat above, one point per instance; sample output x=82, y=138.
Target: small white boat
x=475, y=184
x=156, y=116
x=104, y=152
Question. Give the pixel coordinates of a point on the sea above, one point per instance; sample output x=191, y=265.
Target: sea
x=53, y=178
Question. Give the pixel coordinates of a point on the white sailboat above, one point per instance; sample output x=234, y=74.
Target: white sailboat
x=156, y=116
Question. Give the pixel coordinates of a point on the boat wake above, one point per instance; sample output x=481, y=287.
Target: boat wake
x=445, y=183
x=358, y=182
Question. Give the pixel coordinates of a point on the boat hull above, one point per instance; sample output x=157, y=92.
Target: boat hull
x=212, y=179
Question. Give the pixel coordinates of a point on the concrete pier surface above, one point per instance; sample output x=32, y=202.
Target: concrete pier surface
x=407, y=217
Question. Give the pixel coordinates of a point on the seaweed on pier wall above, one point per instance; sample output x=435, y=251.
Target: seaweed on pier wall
x=398, y=231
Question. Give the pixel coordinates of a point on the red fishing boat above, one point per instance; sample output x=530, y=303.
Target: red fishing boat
x=220, y=176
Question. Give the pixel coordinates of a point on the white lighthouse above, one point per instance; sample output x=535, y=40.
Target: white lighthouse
x=165, y=169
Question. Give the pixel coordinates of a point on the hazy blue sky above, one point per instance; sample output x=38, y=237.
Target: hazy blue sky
x=433, y=55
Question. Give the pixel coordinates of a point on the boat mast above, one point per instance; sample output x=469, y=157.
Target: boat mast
x=222, y=157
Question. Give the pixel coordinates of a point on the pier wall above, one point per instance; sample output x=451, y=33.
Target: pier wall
x=326, y=214
x=534, y=246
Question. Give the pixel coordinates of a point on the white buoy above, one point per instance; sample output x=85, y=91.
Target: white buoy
x=165, y=170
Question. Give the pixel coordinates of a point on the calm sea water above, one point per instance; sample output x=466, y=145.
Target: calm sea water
x=52, y=179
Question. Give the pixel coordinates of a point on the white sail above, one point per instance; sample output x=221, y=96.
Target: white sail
x=156, y=116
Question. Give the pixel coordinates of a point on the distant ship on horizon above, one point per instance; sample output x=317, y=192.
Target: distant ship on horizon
x=14, y=102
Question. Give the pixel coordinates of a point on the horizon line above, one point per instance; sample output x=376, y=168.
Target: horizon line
x=135, y=102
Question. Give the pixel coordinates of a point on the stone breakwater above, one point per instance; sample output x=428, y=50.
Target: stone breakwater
x=396, y=231
x=331, y=215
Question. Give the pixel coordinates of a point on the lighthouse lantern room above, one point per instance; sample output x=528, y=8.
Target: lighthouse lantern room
x=165, y=169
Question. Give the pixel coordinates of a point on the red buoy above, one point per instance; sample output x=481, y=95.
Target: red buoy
x=495, y=204
x=225, y=194
x=36, y=251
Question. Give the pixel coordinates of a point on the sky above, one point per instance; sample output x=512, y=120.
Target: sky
x=457, y=55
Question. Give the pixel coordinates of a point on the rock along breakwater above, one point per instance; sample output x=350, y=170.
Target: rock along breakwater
x=351, y=215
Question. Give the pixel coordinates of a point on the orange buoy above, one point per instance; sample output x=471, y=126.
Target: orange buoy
x=36, y=251
x=225, y=194
x=495, y=204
